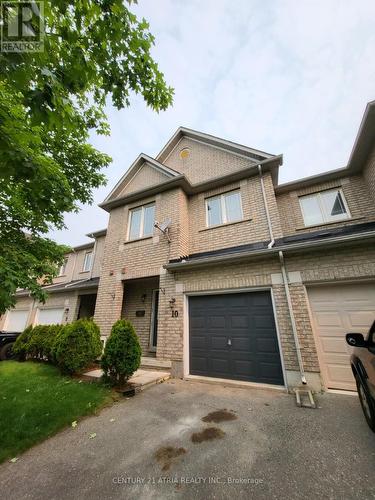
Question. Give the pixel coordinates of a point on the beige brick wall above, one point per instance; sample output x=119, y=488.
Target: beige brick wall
x=253, y=228
x=250, y=275
x=369, y=174
x=74, y=267
x=204, y=162
x=356, y=193
x=124, y=260
x=146, y=176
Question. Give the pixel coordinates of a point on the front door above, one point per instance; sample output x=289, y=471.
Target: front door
x=154, y=320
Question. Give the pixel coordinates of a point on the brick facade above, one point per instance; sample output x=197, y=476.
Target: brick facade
x=130, y=270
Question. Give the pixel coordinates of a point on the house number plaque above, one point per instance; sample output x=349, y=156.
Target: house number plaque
x=174, y=314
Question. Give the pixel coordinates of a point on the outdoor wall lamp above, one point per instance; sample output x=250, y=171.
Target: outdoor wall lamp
x=143, y=297
x=172, y=302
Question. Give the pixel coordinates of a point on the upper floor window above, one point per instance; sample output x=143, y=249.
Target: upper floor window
x=323, y=207
x=224, y=208
x=87, y=263
x=63, y=267
x=141, y=222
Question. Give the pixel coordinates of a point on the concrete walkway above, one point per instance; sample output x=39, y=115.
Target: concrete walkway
x=165, y=444
x=141, y=380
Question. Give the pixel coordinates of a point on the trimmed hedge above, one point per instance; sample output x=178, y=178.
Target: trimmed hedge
x=122, y=353
x=76, y=346
x=21, y=344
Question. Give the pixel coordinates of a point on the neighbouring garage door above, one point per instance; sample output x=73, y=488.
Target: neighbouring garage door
x=234, y=336
x=16, y=321
x=337, y=310
x=50, y=316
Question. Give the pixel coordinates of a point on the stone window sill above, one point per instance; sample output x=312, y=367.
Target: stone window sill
x=350, y=219
x=224, y=225
x=138, y=239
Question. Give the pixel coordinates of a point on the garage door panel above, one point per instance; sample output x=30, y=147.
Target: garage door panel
x=270, y=370
x=361, y=319
x=237, y=321
x=216, y=342
x=334, y=346
x=337, y=310
x=329, y=318
x=220, y=365
x=50, y=316
x=16, y=320
x=250, y=326
x=267, y=346
x=198, y=321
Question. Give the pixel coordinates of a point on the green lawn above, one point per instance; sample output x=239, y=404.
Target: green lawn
x=36, y=401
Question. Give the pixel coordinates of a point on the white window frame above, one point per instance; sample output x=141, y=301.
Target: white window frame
x=223, y=208
x=86, y=269
x=141, y=228
x=326, y=219
x=62, y=269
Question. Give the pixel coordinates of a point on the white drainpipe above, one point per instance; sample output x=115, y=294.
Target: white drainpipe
x=272, y=242
x=285, y=280
x=292, y=319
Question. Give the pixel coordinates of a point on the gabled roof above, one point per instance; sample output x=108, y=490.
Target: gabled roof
x=269, y=164
x=135, y=166
x=365, y=140
x=211, y=140
x=362, y=147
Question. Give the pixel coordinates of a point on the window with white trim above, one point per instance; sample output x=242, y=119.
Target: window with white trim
x=63, y=267
x=326, y=206
x=224, y=208
x=87, y=262
x=141, y=222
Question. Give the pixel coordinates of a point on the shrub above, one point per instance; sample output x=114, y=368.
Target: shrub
x=42, y=341
x=77, y=346
x=37, y=342
x=21, y=345
x=35, y=347
x=122, y=353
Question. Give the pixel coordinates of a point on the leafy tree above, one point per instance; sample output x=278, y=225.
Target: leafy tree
x=50, y=101
x=122, y=353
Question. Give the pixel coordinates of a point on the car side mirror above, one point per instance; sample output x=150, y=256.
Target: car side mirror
x=356, y=340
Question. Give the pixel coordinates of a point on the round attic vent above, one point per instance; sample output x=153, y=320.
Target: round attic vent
x=184, y=153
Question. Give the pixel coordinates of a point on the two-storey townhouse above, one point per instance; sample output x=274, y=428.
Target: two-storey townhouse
x=72, y=294
x=241, y=278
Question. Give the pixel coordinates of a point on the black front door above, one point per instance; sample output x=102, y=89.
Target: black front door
x=234, y=336
x=154, y=320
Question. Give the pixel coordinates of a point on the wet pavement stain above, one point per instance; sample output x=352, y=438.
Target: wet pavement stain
x=167, y=454
x=207, y=435
x=219, y=416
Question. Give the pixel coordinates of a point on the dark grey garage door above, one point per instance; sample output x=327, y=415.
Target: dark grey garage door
x=234, y=336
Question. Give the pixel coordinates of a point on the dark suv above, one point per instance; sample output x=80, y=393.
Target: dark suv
x=363, y=366
x=7, y=340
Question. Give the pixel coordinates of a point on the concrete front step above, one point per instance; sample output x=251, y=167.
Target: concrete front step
x=141, y=379
x=148, y=363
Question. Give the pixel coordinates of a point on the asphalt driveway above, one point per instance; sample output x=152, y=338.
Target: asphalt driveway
x=252, y=443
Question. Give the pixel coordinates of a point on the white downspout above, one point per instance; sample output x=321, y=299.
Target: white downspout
x=285, y=280
x=292, y=319
x=272, y=242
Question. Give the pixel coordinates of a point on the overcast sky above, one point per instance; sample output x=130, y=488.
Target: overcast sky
x=290, y=77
